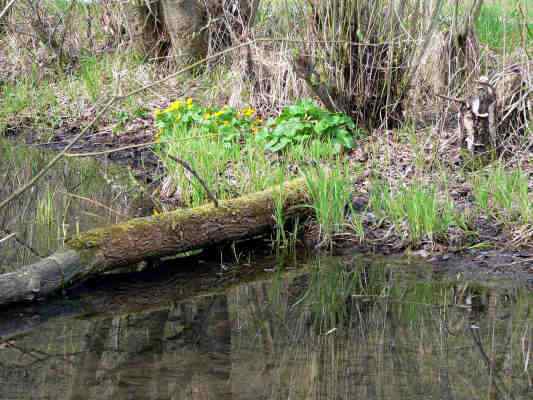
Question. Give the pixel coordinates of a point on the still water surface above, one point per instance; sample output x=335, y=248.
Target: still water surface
x=334, y=328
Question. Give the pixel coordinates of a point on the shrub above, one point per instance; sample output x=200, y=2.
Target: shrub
x=305, y=122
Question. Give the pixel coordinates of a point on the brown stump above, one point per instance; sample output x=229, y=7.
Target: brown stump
x=498, y=113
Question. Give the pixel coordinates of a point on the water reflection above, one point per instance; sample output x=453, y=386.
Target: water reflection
x=338, y=329
x=76, y=195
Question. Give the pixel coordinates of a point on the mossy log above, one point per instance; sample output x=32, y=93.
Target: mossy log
x=105, y=249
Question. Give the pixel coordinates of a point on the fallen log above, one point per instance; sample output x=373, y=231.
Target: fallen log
x=108, y=248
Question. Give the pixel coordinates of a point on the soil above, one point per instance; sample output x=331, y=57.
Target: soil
x=457, y=255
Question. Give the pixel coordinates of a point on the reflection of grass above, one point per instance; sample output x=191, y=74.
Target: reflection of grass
x=330, y=288
x=45, y=215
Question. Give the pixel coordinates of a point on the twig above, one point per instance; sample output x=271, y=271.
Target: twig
x=54, y=160
x=132, y=146
x=113, y=100
x=100, y=153
x=96, y=203
x=6, y=8
x=455, y=99
x=6, y=238
x=187, y=166
x=22, y=243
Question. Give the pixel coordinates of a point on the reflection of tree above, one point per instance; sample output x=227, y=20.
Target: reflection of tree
x=260, y=341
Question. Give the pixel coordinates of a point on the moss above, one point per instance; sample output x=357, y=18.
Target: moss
x=258, y=204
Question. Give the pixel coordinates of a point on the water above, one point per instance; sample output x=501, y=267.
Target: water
x=76, y=195
x=349, y=327
x=334, y=328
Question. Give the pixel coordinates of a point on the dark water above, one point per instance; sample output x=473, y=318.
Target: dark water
x=348, y=327
x=76, y=195
x=334, y=328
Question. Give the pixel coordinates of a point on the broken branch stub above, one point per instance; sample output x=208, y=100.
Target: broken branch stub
x=497, y=113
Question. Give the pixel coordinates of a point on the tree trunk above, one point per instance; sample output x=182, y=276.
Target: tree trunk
x=185, y=22
x=190, y=29
x=104, y=249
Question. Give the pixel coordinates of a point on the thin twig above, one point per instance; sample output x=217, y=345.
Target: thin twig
x=133, y=146
x=54, y=160
x=22, y=242
x=455, y=99
x=94, y=202
x=100, y=153
x=6, y=8
x=188, y=167
x=6, y=238
x=113, y=100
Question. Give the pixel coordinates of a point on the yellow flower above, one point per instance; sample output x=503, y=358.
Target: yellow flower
x=219, y=113
x=189, y=103
x=248, y=112
x=176, y=105
x=207, y=115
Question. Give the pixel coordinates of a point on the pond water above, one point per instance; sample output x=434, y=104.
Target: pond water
x=332, y=328
x=245, y=327
x=76, y=195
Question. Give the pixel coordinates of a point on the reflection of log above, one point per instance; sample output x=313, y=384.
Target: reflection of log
x=166, y=234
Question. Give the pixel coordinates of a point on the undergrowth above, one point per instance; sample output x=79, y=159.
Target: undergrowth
x=422, y=211
x=503, y=194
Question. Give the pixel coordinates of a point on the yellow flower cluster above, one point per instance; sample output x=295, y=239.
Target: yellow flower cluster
x=176, y=105
x=248, y=112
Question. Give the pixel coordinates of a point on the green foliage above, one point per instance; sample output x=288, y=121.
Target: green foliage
x=220, y=146
x=182, y=116
x=93, y=73
x=330, y=192
x=500, y=28
x=503, y=194
x=27, y=98
x=420, y=210
x=305, y=122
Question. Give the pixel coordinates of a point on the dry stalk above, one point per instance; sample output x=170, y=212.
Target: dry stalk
x=99, y=114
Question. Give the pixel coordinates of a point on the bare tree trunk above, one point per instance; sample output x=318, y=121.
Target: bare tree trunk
x=185, y=21
x=190, y=29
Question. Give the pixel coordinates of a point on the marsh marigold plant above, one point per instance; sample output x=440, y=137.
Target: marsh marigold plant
x=228, y=122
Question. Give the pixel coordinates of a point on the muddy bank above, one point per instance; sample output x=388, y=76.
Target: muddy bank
x=129, y=147
x=462, y=253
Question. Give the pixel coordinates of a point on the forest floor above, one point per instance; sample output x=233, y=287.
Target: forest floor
x=409, y=190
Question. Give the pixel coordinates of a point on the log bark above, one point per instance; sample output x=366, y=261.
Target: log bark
x=104, y=249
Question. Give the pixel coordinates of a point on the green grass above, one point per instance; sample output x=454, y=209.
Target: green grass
x=421, y=211
x=27, y=99
x=503, y=194
x=502, y=28
x=92, y=74
x=329, y=190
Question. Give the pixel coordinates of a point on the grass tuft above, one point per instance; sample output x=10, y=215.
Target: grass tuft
x=330, y=191
x=422, y=211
